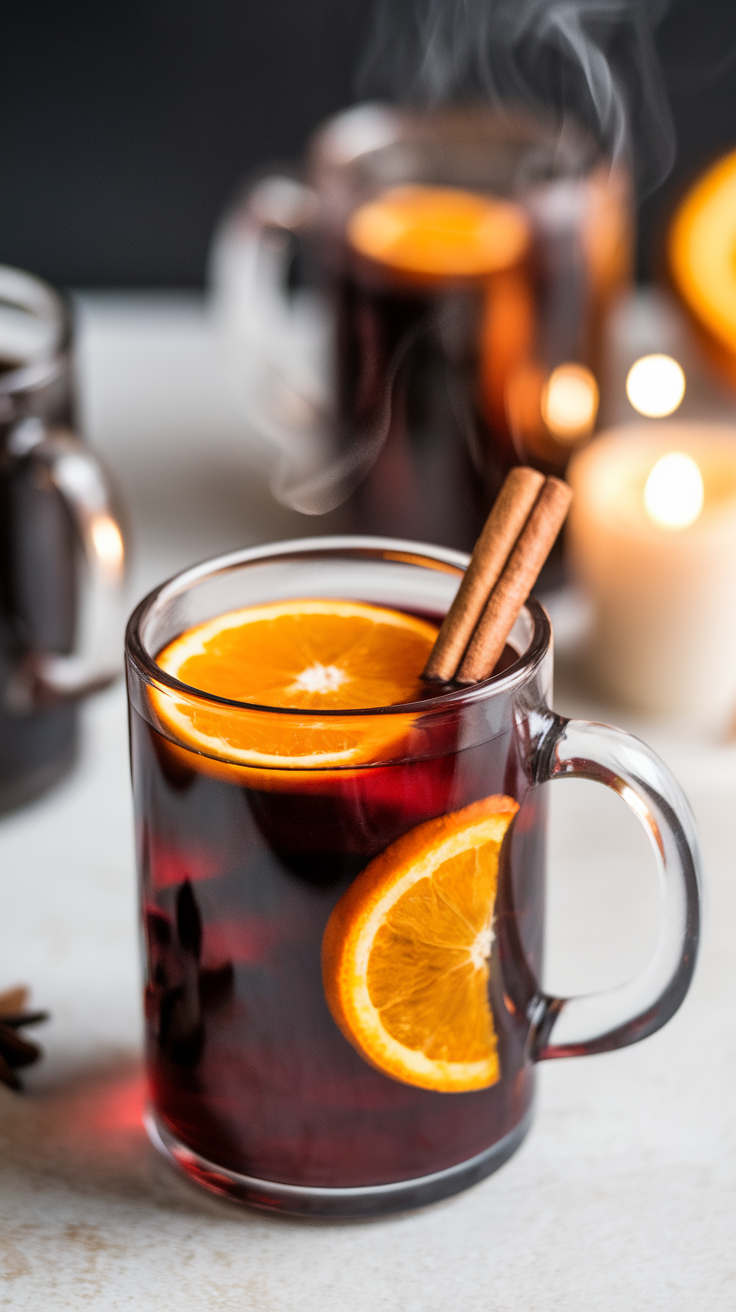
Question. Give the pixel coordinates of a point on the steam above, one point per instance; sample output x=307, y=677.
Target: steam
x=328, y=487
x=592, y=60
x=586, y=62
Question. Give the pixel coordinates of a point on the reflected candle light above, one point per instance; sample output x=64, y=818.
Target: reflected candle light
x=570, y=402
x=108, y=544
x=655, y=385
x=652, y=538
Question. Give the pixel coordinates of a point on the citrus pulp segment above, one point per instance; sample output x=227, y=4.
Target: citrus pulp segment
x=313, y=654
x=405, y=952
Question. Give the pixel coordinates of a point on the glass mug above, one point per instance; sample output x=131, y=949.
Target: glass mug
x=254, y=1091
x=61, y=548
x=412, y=387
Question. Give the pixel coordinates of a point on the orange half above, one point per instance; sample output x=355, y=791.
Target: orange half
x=306, y=654
x=405, y=954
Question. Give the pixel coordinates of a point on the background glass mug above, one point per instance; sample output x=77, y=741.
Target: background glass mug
x=254, y=1091
x=61, y=549
x=415, y=386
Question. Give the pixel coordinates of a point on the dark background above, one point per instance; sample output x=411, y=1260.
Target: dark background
x=127, y=128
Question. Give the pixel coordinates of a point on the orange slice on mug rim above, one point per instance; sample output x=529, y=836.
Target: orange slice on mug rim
x=310, y=655
x=405, y=953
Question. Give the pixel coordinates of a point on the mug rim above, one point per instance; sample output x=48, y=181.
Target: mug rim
x=43, y=301
x=359, y=546
x=371, y=126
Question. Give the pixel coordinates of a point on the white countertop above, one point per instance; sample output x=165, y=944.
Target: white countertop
x=624, y=1193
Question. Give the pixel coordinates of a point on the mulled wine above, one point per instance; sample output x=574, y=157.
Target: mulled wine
x=246, y=1065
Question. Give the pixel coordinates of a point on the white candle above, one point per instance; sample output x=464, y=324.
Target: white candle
x=652, y=539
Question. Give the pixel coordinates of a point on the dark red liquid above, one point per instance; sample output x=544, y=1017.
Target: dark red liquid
x=246, y=1065
x=413, y=353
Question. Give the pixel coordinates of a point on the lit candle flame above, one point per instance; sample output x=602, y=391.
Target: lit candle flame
x=570, y=402
x=655, y=385
x=673, y=492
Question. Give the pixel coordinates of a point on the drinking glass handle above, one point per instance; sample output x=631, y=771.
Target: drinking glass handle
x=276, y=340
x=598, y=1022
x=80, y=481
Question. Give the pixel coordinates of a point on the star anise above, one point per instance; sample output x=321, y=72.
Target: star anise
x=182, y=993
x=15, y=1051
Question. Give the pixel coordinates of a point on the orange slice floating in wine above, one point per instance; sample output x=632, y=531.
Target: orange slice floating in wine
x=313, y=654
x=440, y=232
x=405, y=954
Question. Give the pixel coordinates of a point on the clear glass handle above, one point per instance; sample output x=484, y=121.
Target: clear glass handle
x=276, y=340
x=83, y=486
x=279, y=345
x=599, y=1022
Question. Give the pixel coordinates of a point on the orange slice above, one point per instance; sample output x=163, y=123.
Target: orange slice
x=405, y=952
x=702, y=253
x=440, y=232
x=307, y=654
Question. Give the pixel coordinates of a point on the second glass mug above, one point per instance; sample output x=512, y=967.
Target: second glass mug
x=254, y=1091
x=409, y=387
x=61, y=548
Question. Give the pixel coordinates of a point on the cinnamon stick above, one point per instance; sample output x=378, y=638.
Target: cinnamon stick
x=515, y=582
x=510, y=512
